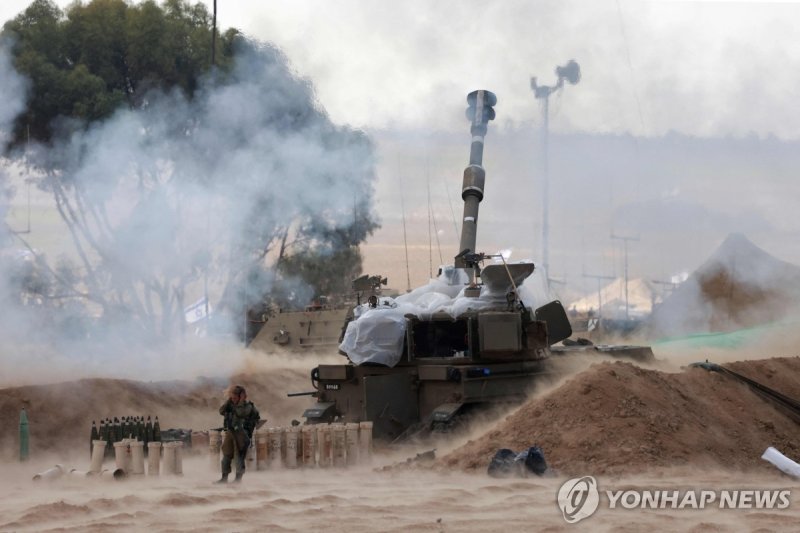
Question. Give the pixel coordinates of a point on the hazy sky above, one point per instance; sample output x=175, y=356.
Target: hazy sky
x=702, y=68
x=688, y=76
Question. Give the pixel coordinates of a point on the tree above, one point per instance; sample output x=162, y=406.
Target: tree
x=327, y=259
x=167, y=172
x=87, y=62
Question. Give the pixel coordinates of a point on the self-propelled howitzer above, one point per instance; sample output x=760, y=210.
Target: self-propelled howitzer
x=464, y=341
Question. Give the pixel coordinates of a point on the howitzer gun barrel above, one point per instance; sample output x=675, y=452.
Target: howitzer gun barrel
x=479, y=112
x=292, y=394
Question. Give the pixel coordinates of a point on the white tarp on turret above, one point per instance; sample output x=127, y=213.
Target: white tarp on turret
x=377, y=334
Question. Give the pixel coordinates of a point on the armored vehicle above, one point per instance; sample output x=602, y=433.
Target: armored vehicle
x=465, y=341
x=316, y=327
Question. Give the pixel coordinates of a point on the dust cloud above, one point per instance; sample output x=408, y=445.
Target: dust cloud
x=627, y=425
x=354, y=501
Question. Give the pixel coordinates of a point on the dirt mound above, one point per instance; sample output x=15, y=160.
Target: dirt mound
x=61, y=414
x=618, y=418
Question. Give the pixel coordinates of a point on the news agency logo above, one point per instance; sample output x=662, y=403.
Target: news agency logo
x=578, y=498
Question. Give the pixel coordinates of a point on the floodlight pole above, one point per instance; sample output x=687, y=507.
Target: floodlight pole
x=570, y=72
x=546, y=186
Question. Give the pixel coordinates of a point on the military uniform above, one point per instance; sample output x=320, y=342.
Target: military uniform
x=240, y=421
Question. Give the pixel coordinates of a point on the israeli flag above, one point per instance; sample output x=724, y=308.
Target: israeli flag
x=197, y=311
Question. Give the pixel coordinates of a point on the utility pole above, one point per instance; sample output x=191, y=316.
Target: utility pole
x=599, y=279
x=214, y=37
x=570, y=72
x=208, y=215
x=625, y=241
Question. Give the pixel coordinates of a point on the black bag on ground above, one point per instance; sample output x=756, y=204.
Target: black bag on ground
x=534, y=461
x=503, y=463
x=507, y=463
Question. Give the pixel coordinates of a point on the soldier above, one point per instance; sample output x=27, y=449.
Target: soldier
x=241, y=417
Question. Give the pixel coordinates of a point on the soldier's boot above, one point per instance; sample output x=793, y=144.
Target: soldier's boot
x=222, y=480
x=238, y=477
x=225, y=468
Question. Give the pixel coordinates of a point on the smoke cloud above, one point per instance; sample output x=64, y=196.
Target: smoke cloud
x=12, y=101
x=179, y=191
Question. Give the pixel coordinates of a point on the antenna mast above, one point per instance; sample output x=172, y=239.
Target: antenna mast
x=405, y=238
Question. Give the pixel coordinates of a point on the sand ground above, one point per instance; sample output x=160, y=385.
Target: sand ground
x=362, y=500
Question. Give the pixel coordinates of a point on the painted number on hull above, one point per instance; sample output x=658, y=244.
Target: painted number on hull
x=331, y=386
